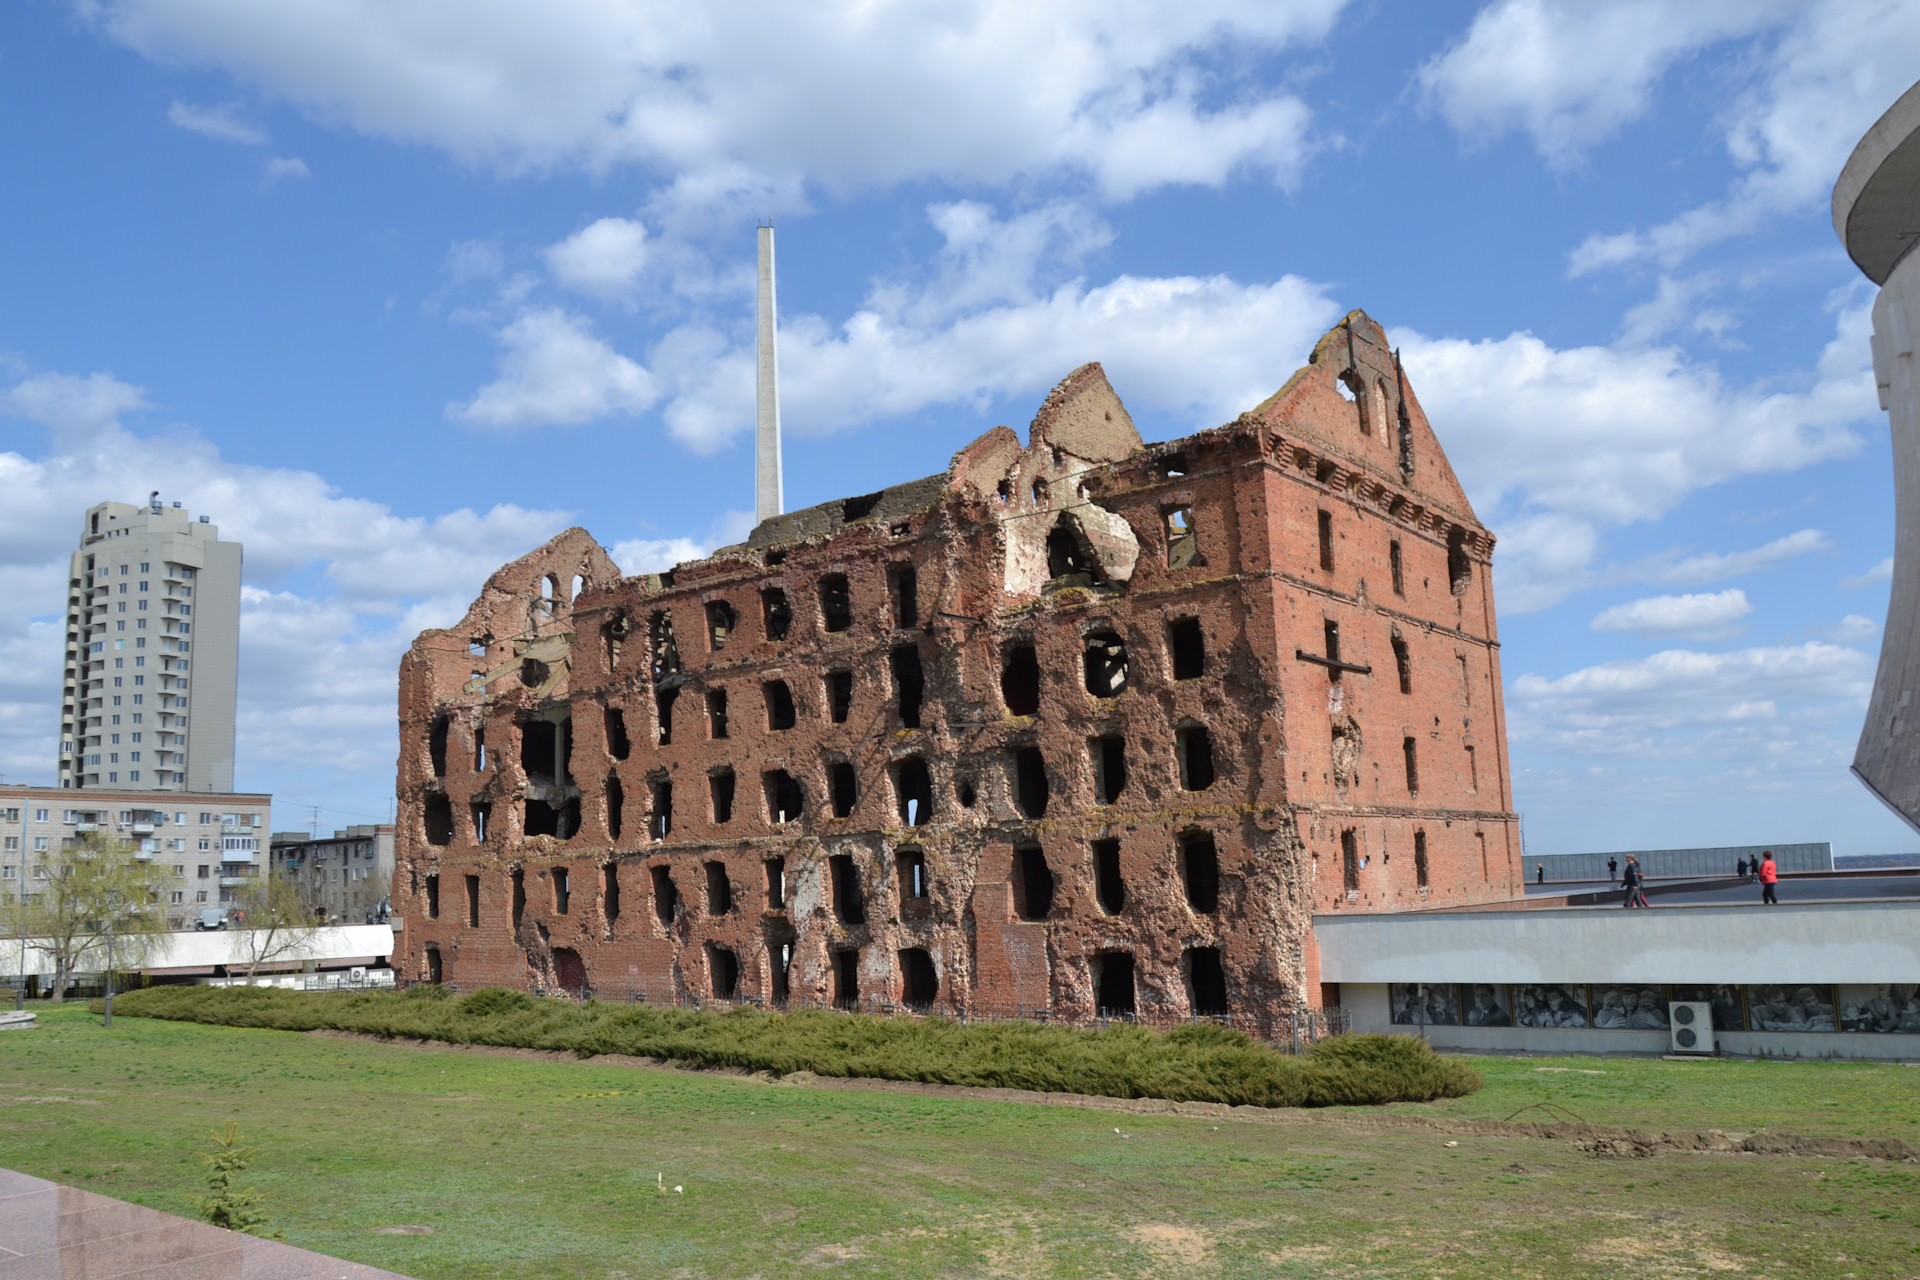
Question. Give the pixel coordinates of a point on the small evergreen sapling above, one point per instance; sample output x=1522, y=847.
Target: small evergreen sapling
x=224, y=1205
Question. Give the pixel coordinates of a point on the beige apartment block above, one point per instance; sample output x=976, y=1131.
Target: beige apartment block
x=152, y=649
x=347, y=875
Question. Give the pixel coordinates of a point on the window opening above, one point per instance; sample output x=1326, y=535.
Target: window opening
x=610, y=892
x=720, y=790
x=839, y=695
x=660, y=822
x=1108, y=888
x=784, y=801
x=1459, y=565
x=665, y=654
x=1109, y=768
x=909, y=684
x=1189, y=649
x=1032, y=883
x=1398, y=567
x=561, y=896
x=666, y=898
x=1020, y=681
x=776, y=884
x=1350, y=860
x=616, y=805
x=904, y=585
x=1326, y=541
x=846, y=979
x=716, y=713
x=1030, y=782
x=1473, y=771
x=1466, y=684
x=663, y=703
x=913, y=788
x=1330, y=631
x=836, y=605
x=437, y=745
x=1039, y=492
x=433, y=897
x=910, y=870
x=919, y=981
x=545, y=752
x=1200, y=871
x=1420, y=859
x=842, y=788
x=1069, y=554
x=473, y=902
x=780, y=712
x=1196, y=758
x=1409, y=747
x=1105, y=661
x=779, y=958
x=719, y=890
x=439, y=818
x=720, y=624
x=1113, y=983
x=1206, y=981
x=1403, y=662
x=776, y=613
x=849, y=905
x=723, y=967
x=964, y=792
x=434, y=970
x=482, y=813
x=1183, y=544
x=519, y=897
x=619, y=746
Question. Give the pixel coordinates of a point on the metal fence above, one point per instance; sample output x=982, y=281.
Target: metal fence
x=1718, y=861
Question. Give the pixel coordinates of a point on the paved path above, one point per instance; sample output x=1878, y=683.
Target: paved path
x=51, y=1232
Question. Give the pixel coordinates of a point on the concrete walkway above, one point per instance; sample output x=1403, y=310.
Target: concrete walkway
x=51, y=1232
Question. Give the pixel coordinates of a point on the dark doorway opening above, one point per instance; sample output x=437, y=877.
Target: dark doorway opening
x=1032, y=883
x=1189, y=649
x=846, y=979
x=723, y=968
x=1206, y=981
x=1113, y=983
x=666, y=898
x=1020, y=681
x=1108, y=887
x=919, y=981
x=849, y=904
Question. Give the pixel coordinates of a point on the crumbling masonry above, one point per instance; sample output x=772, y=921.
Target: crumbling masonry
x=1085, y=724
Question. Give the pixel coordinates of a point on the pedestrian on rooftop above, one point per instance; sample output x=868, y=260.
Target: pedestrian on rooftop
x=1613, y=870
x=1769, y=877
x=1539, y=873
x=1634, y=881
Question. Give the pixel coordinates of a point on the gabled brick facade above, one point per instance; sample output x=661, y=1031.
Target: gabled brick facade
x=1081, y=723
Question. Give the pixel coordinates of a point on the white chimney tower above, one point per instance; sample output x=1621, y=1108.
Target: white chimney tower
x=769, y=494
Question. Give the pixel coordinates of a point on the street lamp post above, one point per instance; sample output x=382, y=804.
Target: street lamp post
x=112, y=902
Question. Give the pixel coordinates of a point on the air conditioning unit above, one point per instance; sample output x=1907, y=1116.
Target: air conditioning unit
x=1690, y=1025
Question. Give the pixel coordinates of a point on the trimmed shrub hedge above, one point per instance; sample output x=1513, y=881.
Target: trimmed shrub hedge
x=1202, y=1062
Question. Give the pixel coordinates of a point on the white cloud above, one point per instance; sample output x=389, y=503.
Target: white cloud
x=1132, y=94
x=1853, y=629
x=1882, y=572
x=223, y=124
x=602, y=260
x=651, y=555
x=1716, y=567
x=1764, y=706
x=1711, y=616
x=287, y=167
x=556, y=372
x=1556, y=445
x=76, y=408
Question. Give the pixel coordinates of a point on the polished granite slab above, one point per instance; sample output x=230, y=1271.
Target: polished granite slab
x=52, y=1232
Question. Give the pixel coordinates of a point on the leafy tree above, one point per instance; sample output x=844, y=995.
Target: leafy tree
x=276, y=923
x=89, y=891
x=225, y=1205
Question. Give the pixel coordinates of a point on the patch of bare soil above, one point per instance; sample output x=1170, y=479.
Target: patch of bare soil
x=1600, y=1140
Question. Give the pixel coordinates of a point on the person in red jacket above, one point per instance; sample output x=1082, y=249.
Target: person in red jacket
x=1769, y=877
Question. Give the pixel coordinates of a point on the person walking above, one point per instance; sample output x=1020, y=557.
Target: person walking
x=1631, y=878
x=1539, y=873
x=1740, y=868
x=1769, y=877
x=1613, y=870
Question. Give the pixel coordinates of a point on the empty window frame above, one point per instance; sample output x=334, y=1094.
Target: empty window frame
x=839, y=695
x=1069, y=553
x=843, y=886
x=836, y=603
x=480, y=749
x=616, y=799
x=663, y=707
x=1113, y=983
x=1109, y=759
x=1109, y=889
x=785, y=802
x=1410, y=752
x=519, y=905
x=1105, y=663
x=903, y=586
x=613, y=638
x=666, y=895
x=913, y=790
x=1194, y=746
x=716, y=713
x=720, y=787
x=1200, y=871
x=1459, y=563
x=562, y=897
x=473, y=902
x=719, y=889
x=910, y=874
x=1326, y=540
x=1420, y=860
x=664, y=653
x=776, y=869
x=723, y=971
x=1032, y=883
x=482, y=814
x=610, y=892
x=1330, y=638
x=1206, y=981
x=1398, y=567
x=1350, y=860
x=1403, y=662
x=1030, y=788
x=846, y=979
x=619, y=746
x=1188, y=647
x=1183, y=544
x=437, y=745
x=780, y=711
x=919, y=980
x=1473, y=769
x=843, y=789
x=1020, y=681
x=660, y=821
x=433, y=897
x=438, y=814
x=909, y=683
x=775, y=613
x=721, y=622
x=779, y=958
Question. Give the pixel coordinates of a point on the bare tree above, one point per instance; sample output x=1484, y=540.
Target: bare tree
x=90, y=889
x=277, y=924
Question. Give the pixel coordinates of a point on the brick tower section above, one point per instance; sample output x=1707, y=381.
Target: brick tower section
x=1082, y=724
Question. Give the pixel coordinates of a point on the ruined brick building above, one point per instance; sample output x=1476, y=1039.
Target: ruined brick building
x=1078, y=724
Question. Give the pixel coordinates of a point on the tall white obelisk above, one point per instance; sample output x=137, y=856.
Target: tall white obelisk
x=769, y=494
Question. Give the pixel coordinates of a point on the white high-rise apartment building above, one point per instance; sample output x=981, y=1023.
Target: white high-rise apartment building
x=153, y=645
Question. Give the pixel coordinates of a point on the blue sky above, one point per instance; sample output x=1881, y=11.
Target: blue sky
x=394, y=290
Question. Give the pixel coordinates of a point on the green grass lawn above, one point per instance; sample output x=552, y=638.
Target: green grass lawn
x=535, y=1168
